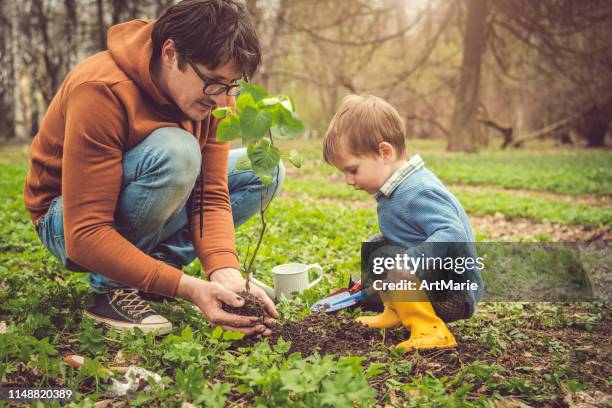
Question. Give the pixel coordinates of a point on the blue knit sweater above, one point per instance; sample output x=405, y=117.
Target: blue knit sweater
x=418, y=209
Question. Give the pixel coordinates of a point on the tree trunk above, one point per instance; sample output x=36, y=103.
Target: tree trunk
x=46, y=78
x=134, y=10
x=19, y=117
x=399, y=9
x=596, y=127
x=6, y=78
x=71, y=33
x=118, y=7
x=272, y=48
x=463, y=123
x=162, y=5
x=101, y=25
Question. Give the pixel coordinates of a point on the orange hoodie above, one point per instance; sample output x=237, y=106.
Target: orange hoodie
x=106, y=105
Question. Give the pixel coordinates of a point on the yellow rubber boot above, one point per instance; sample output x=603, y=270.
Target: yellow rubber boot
x=388, y=319
x=427, y=330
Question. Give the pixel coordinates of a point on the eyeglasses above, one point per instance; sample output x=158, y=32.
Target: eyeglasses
x=212, y=87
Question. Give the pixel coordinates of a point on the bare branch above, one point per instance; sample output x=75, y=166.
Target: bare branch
x=430, y=120
x=546, y=130
x=376, y=41
x=424, y=57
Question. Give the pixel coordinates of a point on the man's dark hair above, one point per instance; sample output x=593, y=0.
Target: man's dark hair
x=209, y=32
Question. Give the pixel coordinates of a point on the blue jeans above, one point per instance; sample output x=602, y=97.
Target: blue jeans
x=158, y=176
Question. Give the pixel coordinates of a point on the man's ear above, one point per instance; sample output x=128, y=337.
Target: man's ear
x=386, y=151
x=168, y=52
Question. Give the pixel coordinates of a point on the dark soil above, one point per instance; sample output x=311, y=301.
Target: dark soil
x=333, y=334
x=252, y=306
x=330, y=334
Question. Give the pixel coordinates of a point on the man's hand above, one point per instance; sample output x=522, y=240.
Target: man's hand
x=231, y=279
x=210, y=296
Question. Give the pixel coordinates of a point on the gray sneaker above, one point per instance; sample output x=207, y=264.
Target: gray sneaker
x=124, y=309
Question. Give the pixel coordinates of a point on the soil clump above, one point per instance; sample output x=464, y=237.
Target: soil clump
x=252, y=306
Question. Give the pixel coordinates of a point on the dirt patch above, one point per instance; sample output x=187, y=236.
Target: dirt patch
x=252, y=306
x=339, y=335
x=497, y=226
x=329, y=334
x=590, y=200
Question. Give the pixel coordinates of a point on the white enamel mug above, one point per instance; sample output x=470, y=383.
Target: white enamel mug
x=289, y=278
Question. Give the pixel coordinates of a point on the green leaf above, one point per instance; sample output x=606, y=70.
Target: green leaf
x=295, y=159
x=223, y=112
x=245, y=100
x=232, y=335
x=187, y=333
x=229, y=128
x=264, y=158
x=270, y=101
x=250, y=148
x=93, y=368
x=256, y=92
x=243, y=163
x=282, y=346
x=292, y=102
x=267, y=180
x=292, y=120
x=283, y=133
x=217, y=332
x=289, y=125
x=215, y=396
x=375, y=369
x=254, y=123
x=287, y=103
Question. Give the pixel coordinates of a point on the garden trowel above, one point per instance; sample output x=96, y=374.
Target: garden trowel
x=343, y=298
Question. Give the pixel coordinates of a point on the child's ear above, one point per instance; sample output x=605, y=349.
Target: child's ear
x=386, y=151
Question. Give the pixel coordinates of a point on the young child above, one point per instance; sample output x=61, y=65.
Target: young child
x=366, y=142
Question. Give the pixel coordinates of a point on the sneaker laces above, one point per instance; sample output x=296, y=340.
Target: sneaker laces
x=131, y=301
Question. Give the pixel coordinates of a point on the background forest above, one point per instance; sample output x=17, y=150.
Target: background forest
x=472, y=72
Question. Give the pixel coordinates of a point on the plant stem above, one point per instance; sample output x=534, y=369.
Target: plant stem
x=262, y=218
x=262, y=213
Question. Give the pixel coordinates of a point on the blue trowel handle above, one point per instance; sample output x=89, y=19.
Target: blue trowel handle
x=354, y=298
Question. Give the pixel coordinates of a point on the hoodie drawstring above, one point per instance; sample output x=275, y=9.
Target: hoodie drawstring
x=201, y=201
x=198, y=198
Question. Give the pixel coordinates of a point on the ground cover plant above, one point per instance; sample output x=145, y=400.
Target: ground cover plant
x=558, y=170
x=538, y=354
x=481, y=202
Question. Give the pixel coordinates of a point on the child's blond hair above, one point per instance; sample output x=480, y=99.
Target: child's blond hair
x=361, y=124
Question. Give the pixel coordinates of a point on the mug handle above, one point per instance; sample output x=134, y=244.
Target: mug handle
x=318, y=279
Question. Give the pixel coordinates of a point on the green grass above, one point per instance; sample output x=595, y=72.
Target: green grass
x=475, y=202
x=562, y=171
x=537, y=353
x=534, y=208
x=312, y=232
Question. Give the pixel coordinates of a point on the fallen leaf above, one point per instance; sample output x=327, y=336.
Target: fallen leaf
x=511, y=403
x=104, y=403
x=583, y=399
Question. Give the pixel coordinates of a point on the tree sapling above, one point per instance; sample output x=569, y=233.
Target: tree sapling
x=259, y=120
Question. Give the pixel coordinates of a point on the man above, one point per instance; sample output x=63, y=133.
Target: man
x=127, y=181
